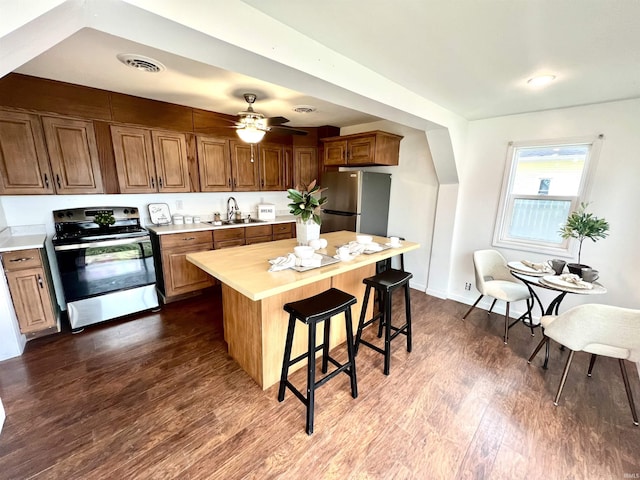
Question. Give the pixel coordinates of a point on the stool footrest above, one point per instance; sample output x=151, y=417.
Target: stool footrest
x=372, y=346
x=304, y=356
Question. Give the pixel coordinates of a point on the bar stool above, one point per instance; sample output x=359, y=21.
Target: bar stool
x=319, y=308
x=385, y=284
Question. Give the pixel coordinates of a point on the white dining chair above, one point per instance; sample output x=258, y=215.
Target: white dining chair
x=602, y=330
x=494, y=279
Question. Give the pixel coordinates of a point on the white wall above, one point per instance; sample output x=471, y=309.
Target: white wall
x=414, y=189
x=615, y=194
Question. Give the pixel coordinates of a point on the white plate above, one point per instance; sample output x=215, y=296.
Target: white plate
x=522, y=268
x=393, y=245
x=558, y=282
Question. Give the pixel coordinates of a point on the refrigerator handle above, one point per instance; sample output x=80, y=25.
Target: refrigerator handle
x=336, y=212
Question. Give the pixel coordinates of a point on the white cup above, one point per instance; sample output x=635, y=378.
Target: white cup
x=343, y=253
x=394, y=240
x=315, y=243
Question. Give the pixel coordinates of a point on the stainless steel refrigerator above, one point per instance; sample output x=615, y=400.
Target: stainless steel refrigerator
x=356, y=201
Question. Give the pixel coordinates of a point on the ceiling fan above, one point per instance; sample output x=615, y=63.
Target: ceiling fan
x=251, y=126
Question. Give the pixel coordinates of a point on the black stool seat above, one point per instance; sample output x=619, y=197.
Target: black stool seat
x=325, y=304
x=385, y=283
x=310, y=311
x=388, y=279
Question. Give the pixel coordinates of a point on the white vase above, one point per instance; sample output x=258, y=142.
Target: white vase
x=306, y=231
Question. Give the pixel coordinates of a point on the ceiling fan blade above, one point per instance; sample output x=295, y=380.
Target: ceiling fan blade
x=275, y=121
x=288, y=130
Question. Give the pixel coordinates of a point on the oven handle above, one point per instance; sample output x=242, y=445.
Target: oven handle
x=107, y=243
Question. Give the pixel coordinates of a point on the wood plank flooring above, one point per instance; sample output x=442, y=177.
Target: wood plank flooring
x=156, y=396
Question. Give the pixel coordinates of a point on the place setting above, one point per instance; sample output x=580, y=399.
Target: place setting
x=534, y=269
x=363, y=244
x=303, y=258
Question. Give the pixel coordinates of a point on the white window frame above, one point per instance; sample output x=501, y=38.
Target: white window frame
x=505, y=208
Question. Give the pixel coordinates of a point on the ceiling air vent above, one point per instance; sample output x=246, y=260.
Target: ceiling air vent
x=140, y=62
x=304, y=109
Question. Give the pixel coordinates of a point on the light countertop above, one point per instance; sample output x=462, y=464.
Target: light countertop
x=21, y=238
x=245, y=268
x=196, y=227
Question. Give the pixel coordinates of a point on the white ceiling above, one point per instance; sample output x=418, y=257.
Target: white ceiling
x=471, y=57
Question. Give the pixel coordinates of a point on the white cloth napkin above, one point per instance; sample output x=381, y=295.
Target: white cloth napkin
x=290, y=260
x=282, y=263
x=576, y=280
x=538, y=267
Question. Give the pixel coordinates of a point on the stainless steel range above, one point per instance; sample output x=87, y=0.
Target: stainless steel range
x=107, y=270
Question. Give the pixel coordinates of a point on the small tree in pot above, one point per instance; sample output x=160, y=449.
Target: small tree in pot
x=581, y=225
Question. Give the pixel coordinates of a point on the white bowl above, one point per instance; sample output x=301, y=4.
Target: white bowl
x=364, y=239
x=303, y=251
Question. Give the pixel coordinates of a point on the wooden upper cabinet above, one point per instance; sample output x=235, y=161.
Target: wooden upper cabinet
x=214, y=164
x=335, y=152
x=369, y=148
x=24, y=165
x=172, y=165
x=73, y=154
x=305, y=165
x=272, y=167
x=244, y=167
x=150, y=161
x=133, y=153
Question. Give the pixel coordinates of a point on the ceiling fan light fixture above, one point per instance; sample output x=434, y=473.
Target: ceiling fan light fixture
x=541, y=80
x=250, y=134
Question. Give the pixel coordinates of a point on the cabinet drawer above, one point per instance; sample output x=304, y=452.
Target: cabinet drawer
x=280, y=228
x=228, y=243
x=182, y=239
x=228, y=234
x=282, y=236
x=252, y=240
x=259, y=231
x=21, y=259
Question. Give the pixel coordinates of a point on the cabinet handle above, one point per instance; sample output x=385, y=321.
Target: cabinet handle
x=235, y=182
x=40, y=281
x=229, y=181
x=46, y=180
x=262, y=183
x=153, y=182
x=24, y=259
x=58, y=180
x=186, y=239
x=160, y=181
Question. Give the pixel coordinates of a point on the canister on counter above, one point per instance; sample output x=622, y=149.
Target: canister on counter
x=177, y=219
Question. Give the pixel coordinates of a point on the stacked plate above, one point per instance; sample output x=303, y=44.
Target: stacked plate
x=520, y=267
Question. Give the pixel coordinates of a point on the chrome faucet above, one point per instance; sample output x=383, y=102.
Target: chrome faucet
x=231, y=209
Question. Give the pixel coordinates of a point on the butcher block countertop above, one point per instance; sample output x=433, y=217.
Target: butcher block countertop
x=245, y=268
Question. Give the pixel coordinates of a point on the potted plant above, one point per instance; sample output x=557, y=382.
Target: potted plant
x=581, y=225
x=305, y=204
x=104, y=219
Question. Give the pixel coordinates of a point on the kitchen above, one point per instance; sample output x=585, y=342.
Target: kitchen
x=470, y=179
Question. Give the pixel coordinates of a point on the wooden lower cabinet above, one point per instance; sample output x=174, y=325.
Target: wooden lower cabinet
x=31, y=290
x=175, y=275
x=177, y=278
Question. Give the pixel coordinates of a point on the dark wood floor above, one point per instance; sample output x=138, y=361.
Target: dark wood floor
x=158, y=397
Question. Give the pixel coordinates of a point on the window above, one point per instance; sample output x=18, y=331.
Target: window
x=543, y=182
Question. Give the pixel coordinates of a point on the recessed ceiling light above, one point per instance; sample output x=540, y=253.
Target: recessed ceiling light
x=541, y=80
x=140, y=62
x=304, y=109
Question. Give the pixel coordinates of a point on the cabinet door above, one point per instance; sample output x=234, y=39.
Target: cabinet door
x=31, y=299
x=24, y=165
x=133, y=152
x=335, y=153
x=272, y=167
x=361, y=151
x=182, y=276
x=245, y=167
x=73, y=154
x=214, y=164
x=305, y=166
x=172, y=165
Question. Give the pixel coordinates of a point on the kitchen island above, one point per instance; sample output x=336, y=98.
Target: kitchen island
x=254, y=321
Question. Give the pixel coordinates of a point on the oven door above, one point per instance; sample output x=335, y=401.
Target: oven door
x=100, y=267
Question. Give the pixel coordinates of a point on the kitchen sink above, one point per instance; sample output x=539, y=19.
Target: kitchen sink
x=244, y=221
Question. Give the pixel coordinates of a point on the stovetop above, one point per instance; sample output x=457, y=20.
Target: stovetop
x=77, y=224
